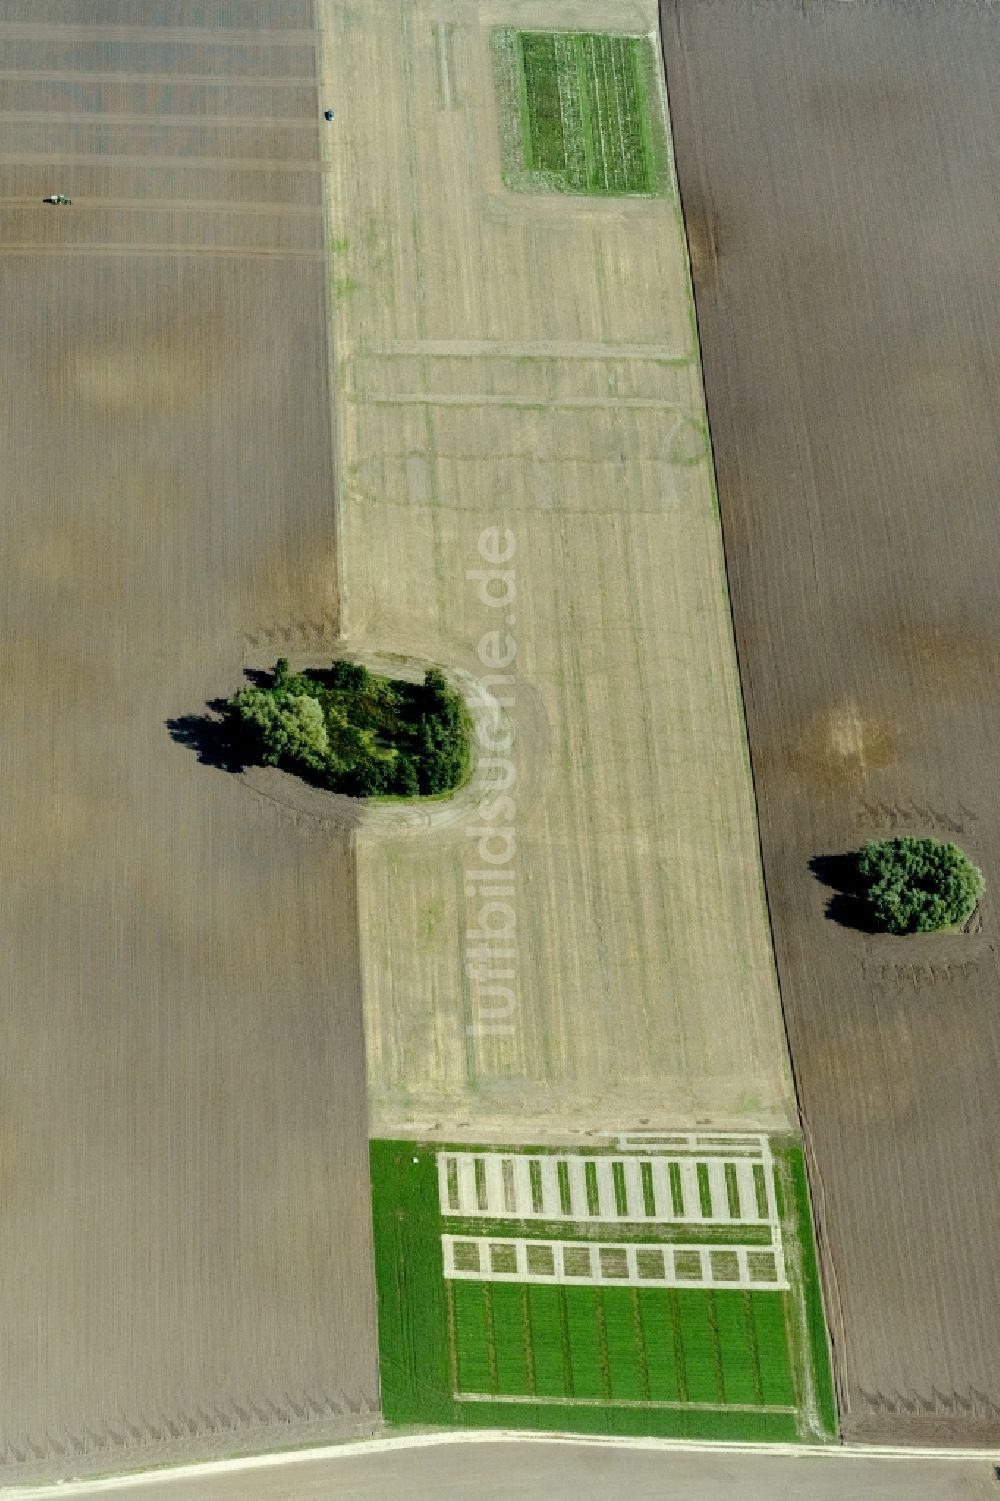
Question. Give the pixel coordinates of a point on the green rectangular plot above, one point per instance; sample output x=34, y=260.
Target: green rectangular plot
x=737, y=1348
x=584, y=1342
x=617, y=156
x=508, y=1339
x=704, y=1190
x=593, y=1196
x=545, y=147
x=760, y=1191
x=732, y=1191
x=576, y=113
x=698, y=1345
x=626, y=1364
x=562, y=1177
x=648, y=1192
x=772, y=1348
x=676, y=1188
x=713, y=1357
x=472, y=1336
x=546, y=1341
x=621, y=1196
x=658, y=1342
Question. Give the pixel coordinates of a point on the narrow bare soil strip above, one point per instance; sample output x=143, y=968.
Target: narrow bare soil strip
x=838, y=166
x=517, y=379
x=185, y=1236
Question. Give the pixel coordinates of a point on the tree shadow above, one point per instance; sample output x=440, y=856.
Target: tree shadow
x=212, y=737
x=847, y=907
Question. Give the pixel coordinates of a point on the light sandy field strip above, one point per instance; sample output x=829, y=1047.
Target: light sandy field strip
x=529, y=363
x=184, y=1233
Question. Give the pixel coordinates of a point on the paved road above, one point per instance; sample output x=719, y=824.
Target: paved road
x=570, y=1471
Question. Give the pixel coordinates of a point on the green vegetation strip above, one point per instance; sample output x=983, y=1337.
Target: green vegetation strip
x=577, y=112
x=688, y=1362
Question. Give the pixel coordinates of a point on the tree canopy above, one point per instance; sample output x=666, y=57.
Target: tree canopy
x=918, y=885
x=355, y=732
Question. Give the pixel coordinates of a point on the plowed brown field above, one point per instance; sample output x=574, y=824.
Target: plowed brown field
x=838, y=166
x=184, y=1233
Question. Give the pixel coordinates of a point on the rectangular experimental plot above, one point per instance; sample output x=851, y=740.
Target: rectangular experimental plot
x=689, y=1328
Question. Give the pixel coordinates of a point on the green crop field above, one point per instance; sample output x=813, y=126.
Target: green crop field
x=671, y=1361
x=579, y=112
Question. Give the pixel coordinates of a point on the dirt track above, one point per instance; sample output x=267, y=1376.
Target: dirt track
x=838, y=165
x=185, y=1237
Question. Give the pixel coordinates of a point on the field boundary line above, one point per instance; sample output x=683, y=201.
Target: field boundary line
x=543, y=349
x=492, y=399
x=64, y=162
x=108, y=1484
x=183, y=206
x=527, y=1399
x=210, y=80
x=225, y=36
x=235, y=252
x=99, y=119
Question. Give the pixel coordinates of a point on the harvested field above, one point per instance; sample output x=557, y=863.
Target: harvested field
x=838, y=167
x=518, y=379
x=185, y=1239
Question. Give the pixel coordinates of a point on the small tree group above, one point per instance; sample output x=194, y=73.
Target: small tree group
x=918, y=885
x=355, y=732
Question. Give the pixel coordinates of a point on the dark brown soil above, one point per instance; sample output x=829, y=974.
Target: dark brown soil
x=185, y=1233
x=839, y=167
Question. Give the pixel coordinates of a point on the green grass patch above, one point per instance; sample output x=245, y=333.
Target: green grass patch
x=809, y=1334
x=587, y=1359
x=701, y=1356
x=579, y=112
x=768, y=1313
x=547, y=1351
x=472, y=1337
x=657, y=1332
x=625, y=1346
x=584, y=1341
x=509, y=1342
x=738, y=1350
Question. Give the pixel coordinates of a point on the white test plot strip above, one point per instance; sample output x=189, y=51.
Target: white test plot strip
x=597, y=1263
x=684, y=1179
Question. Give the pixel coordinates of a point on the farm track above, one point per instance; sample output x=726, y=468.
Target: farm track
x=838, y=168
x=185, y=1234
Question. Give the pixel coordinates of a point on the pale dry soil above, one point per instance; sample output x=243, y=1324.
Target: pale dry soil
x=184, y=1235
x=529, y=363
x=504, y=1470
x=838, y=166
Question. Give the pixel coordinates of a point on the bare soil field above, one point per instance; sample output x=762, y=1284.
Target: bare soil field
x=185, y=1233
x=588, y=948
x=838, y=167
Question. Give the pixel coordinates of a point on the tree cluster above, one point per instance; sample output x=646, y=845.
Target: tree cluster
x=355, y=732
x=918, y=885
